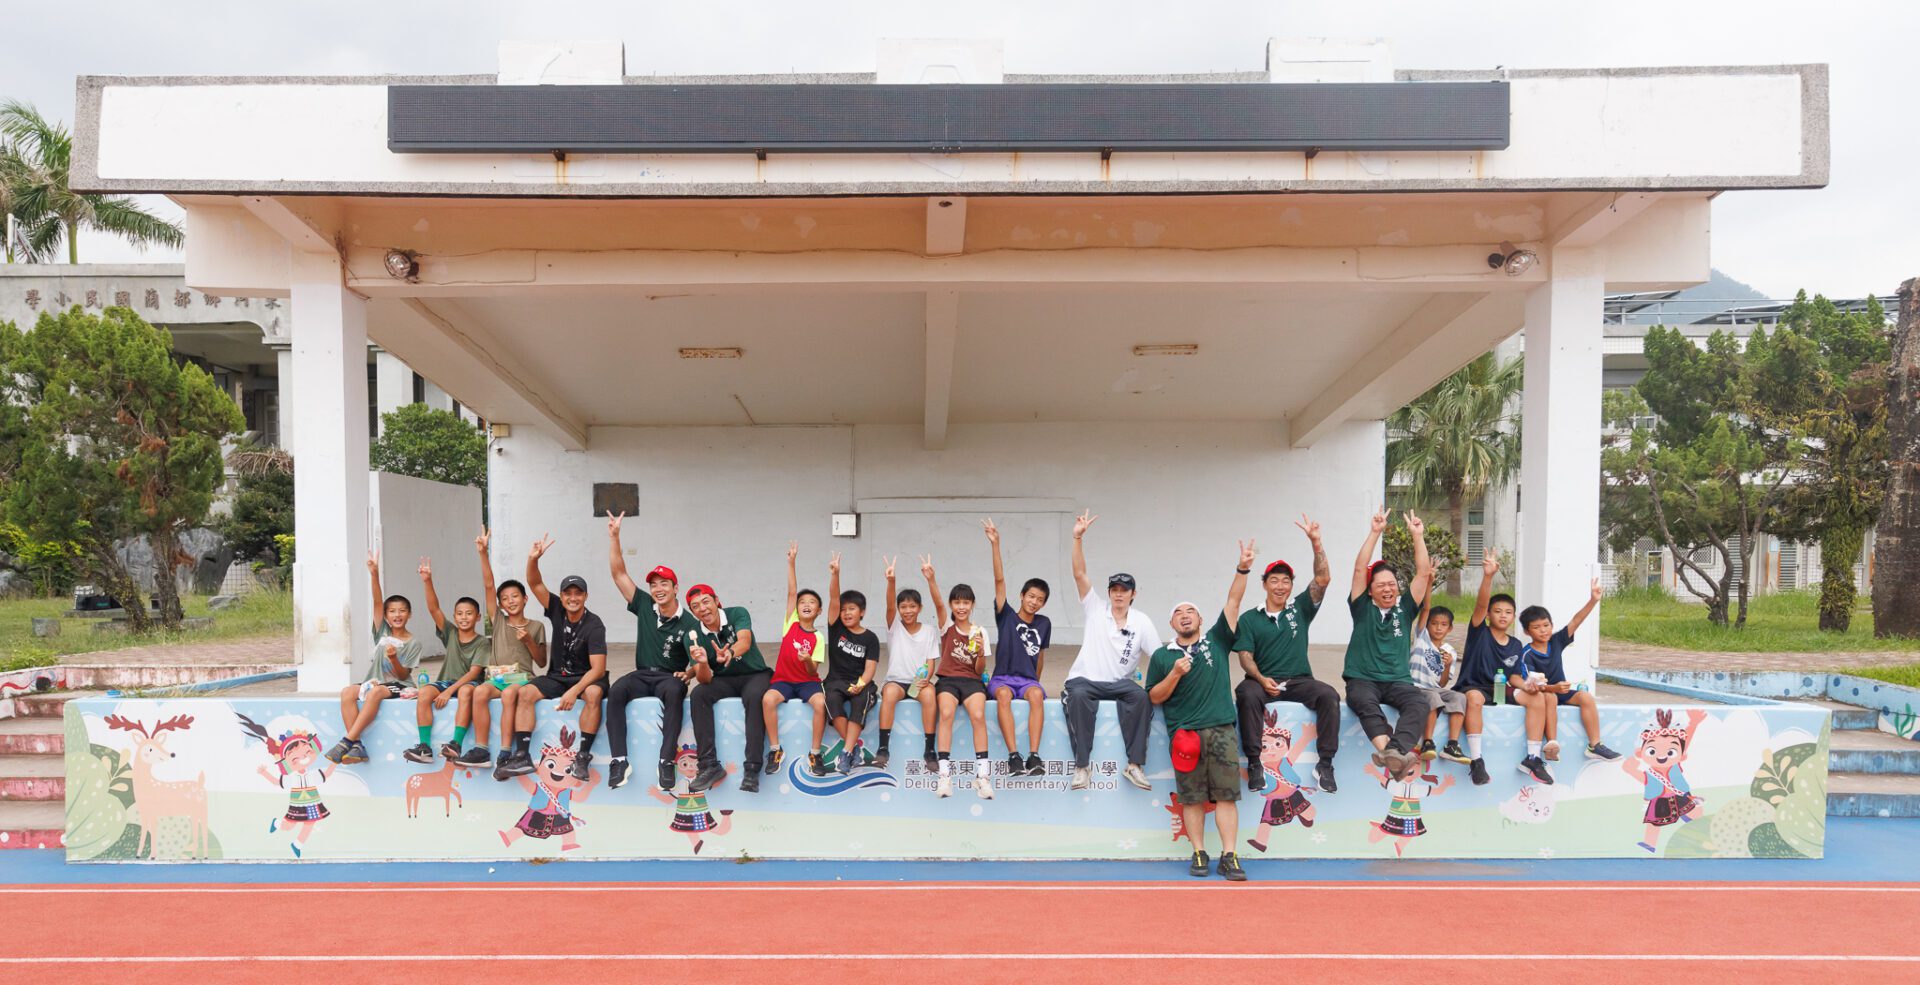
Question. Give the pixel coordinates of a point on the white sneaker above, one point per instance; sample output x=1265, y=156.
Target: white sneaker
x=1551, y=751
x=1081, y=778
x=983, y=787
x=1137, y=776
x=945, y=787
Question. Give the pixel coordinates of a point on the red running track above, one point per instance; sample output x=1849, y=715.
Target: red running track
x=977, y=933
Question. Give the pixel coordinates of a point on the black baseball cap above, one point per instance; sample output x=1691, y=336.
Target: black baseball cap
x=1122, y=579
x=573, y=581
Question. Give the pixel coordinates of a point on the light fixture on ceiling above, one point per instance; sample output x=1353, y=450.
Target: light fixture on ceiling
x=1181, y=349
x=401, y=265
x=1512, y=259
x=725, y=352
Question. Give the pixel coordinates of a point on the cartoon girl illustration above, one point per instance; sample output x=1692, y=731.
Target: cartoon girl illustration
x=1286, y=797
x=691, y=815
x=1407, y=789
x=1656, y=764
x=294, y=752
x=550, y=811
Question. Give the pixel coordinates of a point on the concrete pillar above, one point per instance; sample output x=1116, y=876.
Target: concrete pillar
x=332, y=615
x=393, y=381
x=283, y=359
x=1560, y=446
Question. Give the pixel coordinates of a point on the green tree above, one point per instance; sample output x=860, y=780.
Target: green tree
x=263, y=505
x=1821, y=378
x=1396, y=548
x=104, y=436
x=1459, y=439
x=425, y=443
x=34, y=167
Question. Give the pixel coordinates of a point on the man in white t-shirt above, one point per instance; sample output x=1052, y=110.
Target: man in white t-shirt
x=1117, y=641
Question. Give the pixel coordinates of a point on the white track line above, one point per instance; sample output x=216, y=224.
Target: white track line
x=921, y=956
x=965, y=887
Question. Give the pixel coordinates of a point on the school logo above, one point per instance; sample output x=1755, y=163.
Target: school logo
x=835, y=784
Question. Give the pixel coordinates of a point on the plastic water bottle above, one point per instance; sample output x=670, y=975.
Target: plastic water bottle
x=422, y=679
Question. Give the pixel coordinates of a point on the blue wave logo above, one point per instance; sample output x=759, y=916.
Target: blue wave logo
x=834, y=784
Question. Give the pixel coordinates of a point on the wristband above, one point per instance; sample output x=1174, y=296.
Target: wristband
x=1243, y=571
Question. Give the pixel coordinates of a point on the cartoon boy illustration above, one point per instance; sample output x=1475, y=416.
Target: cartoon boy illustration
x=553, y=786
x=1407, y=786
x=691, y=815
x=294, y=752
x=1656, y=764
x=1287, y=798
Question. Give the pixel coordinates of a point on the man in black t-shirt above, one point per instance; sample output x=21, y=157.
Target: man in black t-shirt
x=852, y=653
x=576, y=668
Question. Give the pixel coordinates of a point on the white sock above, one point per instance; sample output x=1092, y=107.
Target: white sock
x=1473, y=745
x=946, y=767
x=980, y=766
x=1533, y=747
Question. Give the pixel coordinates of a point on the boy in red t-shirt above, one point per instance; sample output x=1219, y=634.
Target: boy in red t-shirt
x=796, y=671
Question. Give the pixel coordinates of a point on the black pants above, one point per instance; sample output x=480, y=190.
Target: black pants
x=1081, y=698
x=1320, y=698
x=1366, y=697
x=647, y=683
x=749, y=688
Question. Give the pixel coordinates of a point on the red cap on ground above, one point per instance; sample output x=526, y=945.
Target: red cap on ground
x=1185, y=747
x=662, y=571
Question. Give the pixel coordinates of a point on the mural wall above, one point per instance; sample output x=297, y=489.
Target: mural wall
x=242, y=779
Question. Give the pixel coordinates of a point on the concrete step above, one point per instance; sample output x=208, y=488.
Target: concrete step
x=1873, y=795
x=32, y=824
x=32, y=778
x=31, y=736
x=52, y=704
x=1845, y=716
x=1872, y=751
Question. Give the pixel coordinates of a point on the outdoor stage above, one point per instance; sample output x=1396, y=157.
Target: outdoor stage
x=1599, y=920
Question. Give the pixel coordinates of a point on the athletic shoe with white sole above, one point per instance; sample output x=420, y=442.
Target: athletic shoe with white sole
x=945, y=787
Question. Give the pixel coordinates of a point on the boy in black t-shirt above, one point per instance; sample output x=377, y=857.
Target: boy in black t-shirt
x=576, y=668
x=853, y=651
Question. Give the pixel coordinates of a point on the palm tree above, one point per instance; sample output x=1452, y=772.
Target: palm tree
x=1459, y=439
x=34, y=165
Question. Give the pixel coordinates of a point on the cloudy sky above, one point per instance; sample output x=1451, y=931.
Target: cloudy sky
x=1857, y=236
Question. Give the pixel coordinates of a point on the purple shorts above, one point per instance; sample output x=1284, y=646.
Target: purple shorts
x=795, y=690
x=1015, y=683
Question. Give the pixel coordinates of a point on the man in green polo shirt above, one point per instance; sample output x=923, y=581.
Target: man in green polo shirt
x=659, y=658
x=1272, y=649
x=1188, y=679
x=728, y=665
x=1382, y=642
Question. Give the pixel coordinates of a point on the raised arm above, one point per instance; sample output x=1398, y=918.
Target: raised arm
x=1593, y=599
x=534, y=584
x=487, y=589
x=433, y=597
x=793, y=580
x=1238, y=589
x=999, y=572
x=1080, y=579
x=933, y=591
x=617, y=560
x=1365, y=558
x=373, y=572
x=1489, y=566
x=1422, y=563
x=890, y=589
x=1322, y=573
x=833, y=591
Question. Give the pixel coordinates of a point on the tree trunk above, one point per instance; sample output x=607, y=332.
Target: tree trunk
x=1896, y=542
x=1744, y=575
x=1717, y=606
x=114, y=579
x=73, y=242
x=1839, y=549
x=166, y=589
x=1457, y=510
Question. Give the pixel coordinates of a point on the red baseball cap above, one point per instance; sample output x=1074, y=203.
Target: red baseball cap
x=700, y=590
x=1374, y=569
x=1277, y=566
x=1185, y=747
x=662, y=571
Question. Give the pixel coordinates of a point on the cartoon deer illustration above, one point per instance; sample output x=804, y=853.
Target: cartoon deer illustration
x=158, y=799
x=438, y=783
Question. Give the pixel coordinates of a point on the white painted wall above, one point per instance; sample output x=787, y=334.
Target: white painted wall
x=720, y=503
x=413, y=518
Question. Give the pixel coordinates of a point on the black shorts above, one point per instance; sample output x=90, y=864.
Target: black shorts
x=1486, y=693
x=961, y=688
x=855, y=706
x=552, y=686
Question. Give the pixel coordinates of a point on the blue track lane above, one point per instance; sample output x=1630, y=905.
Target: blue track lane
x=1858, y=850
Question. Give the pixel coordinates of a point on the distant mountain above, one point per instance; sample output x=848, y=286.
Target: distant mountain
x=1720, y=287
x=1718, y=294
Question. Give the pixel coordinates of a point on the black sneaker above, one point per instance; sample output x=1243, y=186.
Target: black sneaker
x=706, y=778
x=1600, y=751
x=1201, y=867
x=357, y=753
x=1477, y=769
x=419, y=752
x=1323, y=775
x=477, y=758
x=881, y=759
x=449, y=751
x=1230, y=868
x=582, y=767
x=1427, y=751
x=616, y=773
x=1453, y=753
x=932, y=761
x=666, y=774
x=816, y=765
x=339, y=750
x=1034, y=766
x=517, y=764
x=749, y=778
x=1536, y=768
x=1015, y=765
x=774, y=758
x=1256, y=776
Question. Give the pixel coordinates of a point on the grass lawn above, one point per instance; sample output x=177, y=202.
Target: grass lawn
x=259, y=614
x=1787, y=622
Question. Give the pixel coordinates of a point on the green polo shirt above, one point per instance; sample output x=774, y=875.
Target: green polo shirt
x=736, y=621
x=1379, y=648
x=1279, y=650
x=1203, y=698
x=660, y=645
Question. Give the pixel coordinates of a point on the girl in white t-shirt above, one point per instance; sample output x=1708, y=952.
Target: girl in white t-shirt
x=912, y=646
